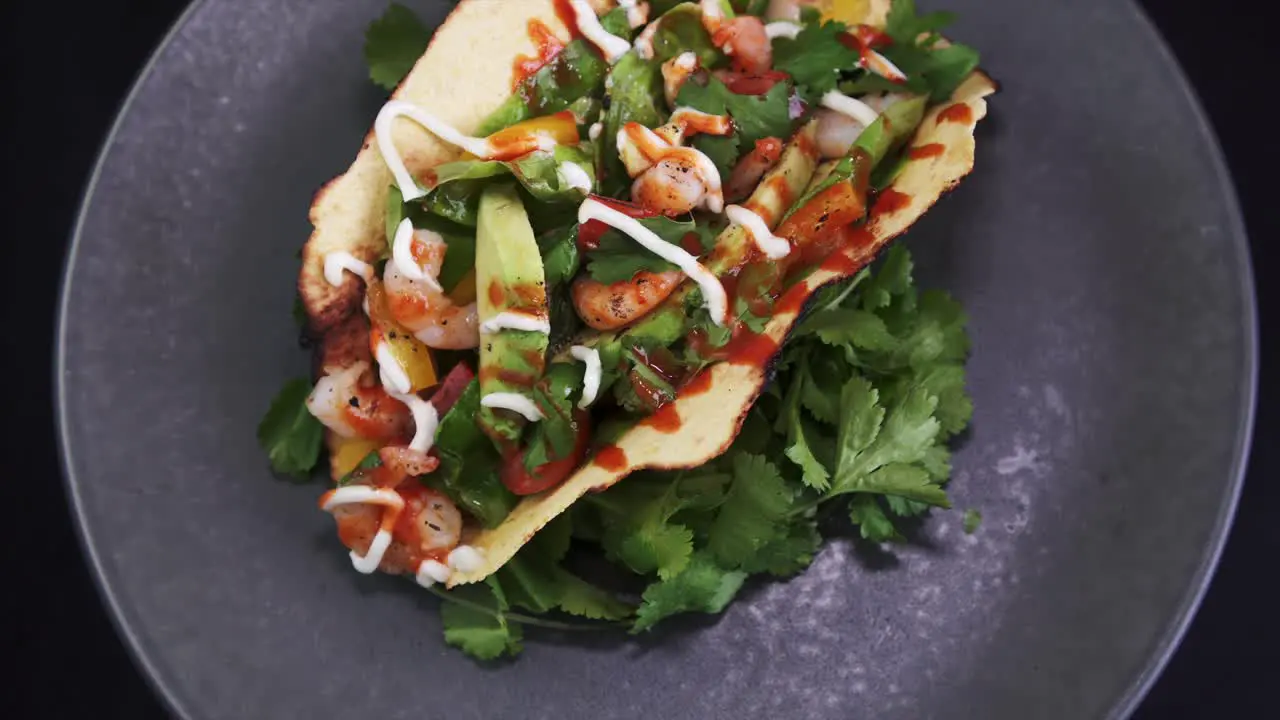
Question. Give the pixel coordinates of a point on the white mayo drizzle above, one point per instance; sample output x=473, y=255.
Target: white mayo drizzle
x=644, y=41
x=402, y=253
x=515, y=321
x=637, y=14
x=426, y=419
x=881, y=66
x=771, y=245
x=363, y=494
x=431, y=572
x=390, y=372
x=336, y=262
x=382, y=129
x=574, y=176
x=594, y=131
x=466, y=559
x=711, y=11
x=782, y=28
x=589, y=25
x=515, y=402
x=591, y=378
x=712, y=291
x=852, y=107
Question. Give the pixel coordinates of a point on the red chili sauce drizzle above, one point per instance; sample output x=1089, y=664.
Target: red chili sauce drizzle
x=547, y=47
x=566, y=15
x=926, y=151
x=611, y=458
x=958, y=112
x=890, y=201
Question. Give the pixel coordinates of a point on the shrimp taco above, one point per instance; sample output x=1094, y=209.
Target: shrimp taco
x=579, y=243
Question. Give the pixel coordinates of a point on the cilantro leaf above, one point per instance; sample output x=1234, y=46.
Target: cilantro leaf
x=917, y=52
x=393, y=43
x=535, y=580
x=872, y=523
x=755, y=117
x=581, y=598
x=702, y=586
x=475, y=621
x=642, y=535
x=892, y=279
x=819, y=396
x=788, y=554
x=815, y=473
x=559, y=247
x=753, y=514
x=468, y=471
x=815, y=58
x=972, y=519
x=849, y=327
x=289, y=433
x=618, y=257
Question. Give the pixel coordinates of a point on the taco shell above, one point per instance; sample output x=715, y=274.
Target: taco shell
x=466, y=74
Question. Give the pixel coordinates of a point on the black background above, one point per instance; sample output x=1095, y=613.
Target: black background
x=67, y=66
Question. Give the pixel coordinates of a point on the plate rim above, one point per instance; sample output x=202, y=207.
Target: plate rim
x=1123, y=705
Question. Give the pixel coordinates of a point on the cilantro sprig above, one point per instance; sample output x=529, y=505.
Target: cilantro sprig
x=392, y=45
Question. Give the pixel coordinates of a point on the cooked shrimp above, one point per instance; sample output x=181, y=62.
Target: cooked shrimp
x=433, y=518
x=421, y=307
x=674, y=186
x=744, y=38
x=403, y=462
x=423, y=523
x=747, y=173
x=608, y=307
x=674, y=74
x=351, y=409
x=837, y=131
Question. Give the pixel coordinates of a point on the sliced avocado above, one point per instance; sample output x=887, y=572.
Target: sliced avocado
x=509, y=278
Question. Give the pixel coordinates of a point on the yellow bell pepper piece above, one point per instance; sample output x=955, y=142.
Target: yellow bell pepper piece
x=846, y=11
x=412, y=355
x=348, y=452
x=559, y=127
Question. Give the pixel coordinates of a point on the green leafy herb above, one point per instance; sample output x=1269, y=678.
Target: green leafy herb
x=755, y=117
x=815, y=58
x=555, y=394
x=476, y=621
x=701, y=586
x=289, y=433
x=571, y=75
x=916, y=49
x=468, y=471
x=972, y=519
x=392, y=45
x=681, y=30
x=618, y=257
x=754, y=513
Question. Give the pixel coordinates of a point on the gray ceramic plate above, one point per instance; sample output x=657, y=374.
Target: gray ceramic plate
x=1097, y=247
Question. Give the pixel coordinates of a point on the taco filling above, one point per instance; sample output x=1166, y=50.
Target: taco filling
x=587, y=241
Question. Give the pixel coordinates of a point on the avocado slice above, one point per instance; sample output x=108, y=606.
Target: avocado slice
x=509, y=278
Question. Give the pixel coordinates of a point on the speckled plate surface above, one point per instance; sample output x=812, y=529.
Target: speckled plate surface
x=1097, y=247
